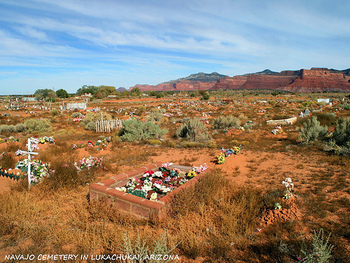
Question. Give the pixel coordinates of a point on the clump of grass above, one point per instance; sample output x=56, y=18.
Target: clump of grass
x=38, y=125
x=320, y=251
x=135, y=130
x=224, y=122
x=193, y=130
x=312, y=130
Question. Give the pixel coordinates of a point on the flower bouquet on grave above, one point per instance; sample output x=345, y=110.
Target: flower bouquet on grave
x=288, y=193
x=8, y=174
x=12, y=139
x=39, y=169
x=88, y=163
x=229, y=152
x=221, y=158
x=90, y=144
x=191, y=174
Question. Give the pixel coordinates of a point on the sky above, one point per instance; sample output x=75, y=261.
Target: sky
x=65, y=44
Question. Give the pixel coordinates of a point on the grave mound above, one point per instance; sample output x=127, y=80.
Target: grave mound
x=145, y=206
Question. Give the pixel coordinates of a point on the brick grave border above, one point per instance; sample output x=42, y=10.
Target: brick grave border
x=135, y=205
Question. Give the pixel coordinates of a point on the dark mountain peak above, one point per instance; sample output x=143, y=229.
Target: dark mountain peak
x=264, y=72
x=203, y=77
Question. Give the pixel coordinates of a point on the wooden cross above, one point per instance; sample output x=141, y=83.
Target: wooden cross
x=29, y=153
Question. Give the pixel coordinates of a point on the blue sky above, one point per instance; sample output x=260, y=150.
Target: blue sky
x=66, y=44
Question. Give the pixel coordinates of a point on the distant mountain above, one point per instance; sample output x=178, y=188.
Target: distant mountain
x=344, y=71
x=203, y=77
x=264, y=72
x=121, y=89
x=303, y=80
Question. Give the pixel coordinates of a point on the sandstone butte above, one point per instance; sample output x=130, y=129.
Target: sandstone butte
x=303, y=80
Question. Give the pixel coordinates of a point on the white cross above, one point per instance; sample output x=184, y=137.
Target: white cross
x=29, y=153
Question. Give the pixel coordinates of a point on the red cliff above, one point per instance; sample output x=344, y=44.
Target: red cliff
x=312, y=80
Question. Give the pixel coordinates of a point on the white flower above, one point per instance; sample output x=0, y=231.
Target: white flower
x=153, y=197
x=157, y=174
x=146, y=188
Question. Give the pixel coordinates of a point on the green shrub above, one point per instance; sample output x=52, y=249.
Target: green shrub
x=205, y=96
x=11, y=128
x=139, y=246
x=135, y=130
x=76, y=114
x=91, y=126
x=224, y=122
x=4, y=128
x=193, y=130
x=341, y=135
x=20, y=127
x=156, y=114
x=95, y=116
x=320, y=251
x=36, y=125
x=54, y=112
x=326, y=119
x=312, y=130
x=345, y=106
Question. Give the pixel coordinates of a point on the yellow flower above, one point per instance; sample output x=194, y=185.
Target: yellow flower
x=192, y=174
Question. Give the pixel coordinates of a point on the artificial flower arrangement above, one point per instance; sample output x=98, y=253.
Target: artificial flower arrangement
x=155, y=184
x=288, y=193
x=9, y=139
x=38, y=169
x=46, y=139
x=88, y=163
x=229, y=152
x=221, y=158
x=8, y=174
x=277, y=130
x=91, y=144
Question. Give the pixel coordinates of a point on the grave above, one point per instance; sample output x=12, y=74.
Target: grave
x=135, y=205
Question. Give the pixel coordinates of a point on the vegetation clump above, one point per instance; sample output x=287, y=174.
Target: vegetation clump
x=224, y=122
x=193, y=130
x=312, y=131
x=38, y=125
x=136, y=130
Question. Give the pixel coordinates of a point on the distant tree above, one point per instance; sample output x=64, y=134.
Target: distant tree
x=152, y=93
x=61, y=93
x=106, y=90
x=87, y=89
x=135, y=92
x=160, y=95
x=98, y=95
x=47, y=94
x=205, y=96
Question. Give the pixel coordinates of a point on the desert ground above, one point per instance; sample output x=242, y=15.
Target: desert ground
x=240, y=212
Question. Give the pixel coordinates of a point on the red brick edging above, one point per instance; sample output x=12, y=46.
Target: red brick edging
x=132, y=204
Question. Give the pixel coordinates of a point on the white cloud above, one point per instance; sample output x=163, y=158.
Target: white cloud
x=171, y=37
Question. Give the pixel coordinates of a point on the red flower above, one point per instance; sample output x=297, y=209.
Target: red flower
x=150, y=172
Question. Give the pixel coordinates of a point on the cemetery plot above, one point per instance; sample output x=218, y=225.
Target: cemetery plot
x=147, y=191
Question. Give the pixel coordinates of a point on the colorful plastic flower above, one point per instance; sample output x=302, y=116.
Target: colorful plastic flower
x=191, y=174
x=153, y=197
x=221, y=158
